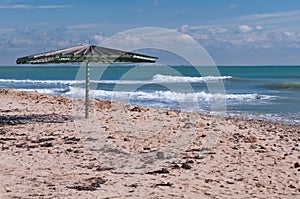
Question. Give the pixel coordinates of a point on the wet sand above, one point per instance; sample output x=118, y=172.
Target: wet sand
x=44, y=156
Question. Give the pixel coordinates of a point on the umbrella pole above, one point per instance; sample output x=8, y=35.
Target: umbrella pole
x=87, y=89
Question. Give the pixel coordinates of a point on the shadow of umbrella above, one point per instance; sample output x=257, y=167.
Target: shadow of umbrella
x=43, y=118
x=87, y=54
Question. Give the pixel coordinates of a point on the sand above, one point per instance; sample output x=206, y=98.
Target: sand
x=46, y=152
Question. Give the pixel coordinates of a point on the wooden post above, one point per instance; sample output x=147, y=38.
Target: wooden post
x=87, y=89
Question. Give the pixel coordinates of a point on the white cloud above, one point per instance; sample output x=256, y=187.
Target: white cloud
x=193, y=28
x=245, y=28
x=214, y=29
x=220, y=40
x=6, y=30
x=258, y=28
x=21, y=42
x=248, y=37
x=274, y=15
x=184, y=28
x=98, y=38
x=16, y=6
x=52, y=6
x=221, y=30
x=287, y=33
x=249, y=40
x=280, y=18
x=28, y=6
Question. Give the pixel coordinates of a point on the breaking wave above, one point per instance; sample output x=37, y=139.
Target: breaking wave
x=168, y=96
x=53, y=91
x=155, y=79
x=167, y=78
x=285, y=86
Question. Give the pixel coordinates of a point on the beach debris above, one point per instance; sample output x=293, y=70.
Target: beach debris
x=146, y=148
x=102, y=104
x=110, y=137
x=176, y=166
x=296, y=149
x=46, y=139
x=193, y=150
x=250, y=139
x=82, y=188
x=77, y=151
x=135, y=185
x=236, y=137
x=238, y=179
x=21, y=145
x=259, y=148
x=36, y=195
x=137, y=109
x=242, y=127
x=48, y=144
x=11, y=120
x=71, y=140
x=260, y=185
x=292, y=186
x=99, y=168
x=262, y=147
x=2, y=132
x=93, y=185
x=160, y=171
x=7, y=139
x=171, y=113
x=186, y=166
x=188, y=125
x=229, y=182
x=106, y=128
x=168, y=184
x=207, y=180
x=91, y=139
x=4, y=147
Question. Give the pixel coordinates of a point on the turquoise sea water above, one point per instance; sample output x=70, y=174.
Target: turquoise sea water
x=255, y=92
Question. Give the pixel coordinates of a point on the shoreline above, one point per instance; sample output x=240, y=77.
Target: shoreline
x=43, y=155
x=230, y=115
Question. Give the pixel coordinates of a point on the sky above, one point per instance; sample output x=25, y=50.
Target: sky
x=233, y=32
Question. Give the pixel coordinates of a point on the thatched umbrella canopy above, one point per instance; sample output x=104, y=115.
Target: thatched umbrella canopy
x=87, y=54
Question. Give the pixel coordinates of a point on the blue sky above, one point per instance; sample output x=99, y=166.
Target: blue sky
x=256, y=32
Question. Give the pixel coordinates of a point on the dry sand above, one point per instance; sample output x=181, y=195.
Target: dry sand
x=44, y=156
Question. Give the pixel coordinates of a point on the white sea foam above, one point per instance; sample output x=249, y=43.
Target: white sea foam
x=168, y=78
x=168, y=96
x=286, y=119
x=54, y=91
x=155, y=79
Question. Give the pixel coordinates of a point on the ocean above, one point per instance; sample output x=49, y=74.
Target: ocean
x=270, y=93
